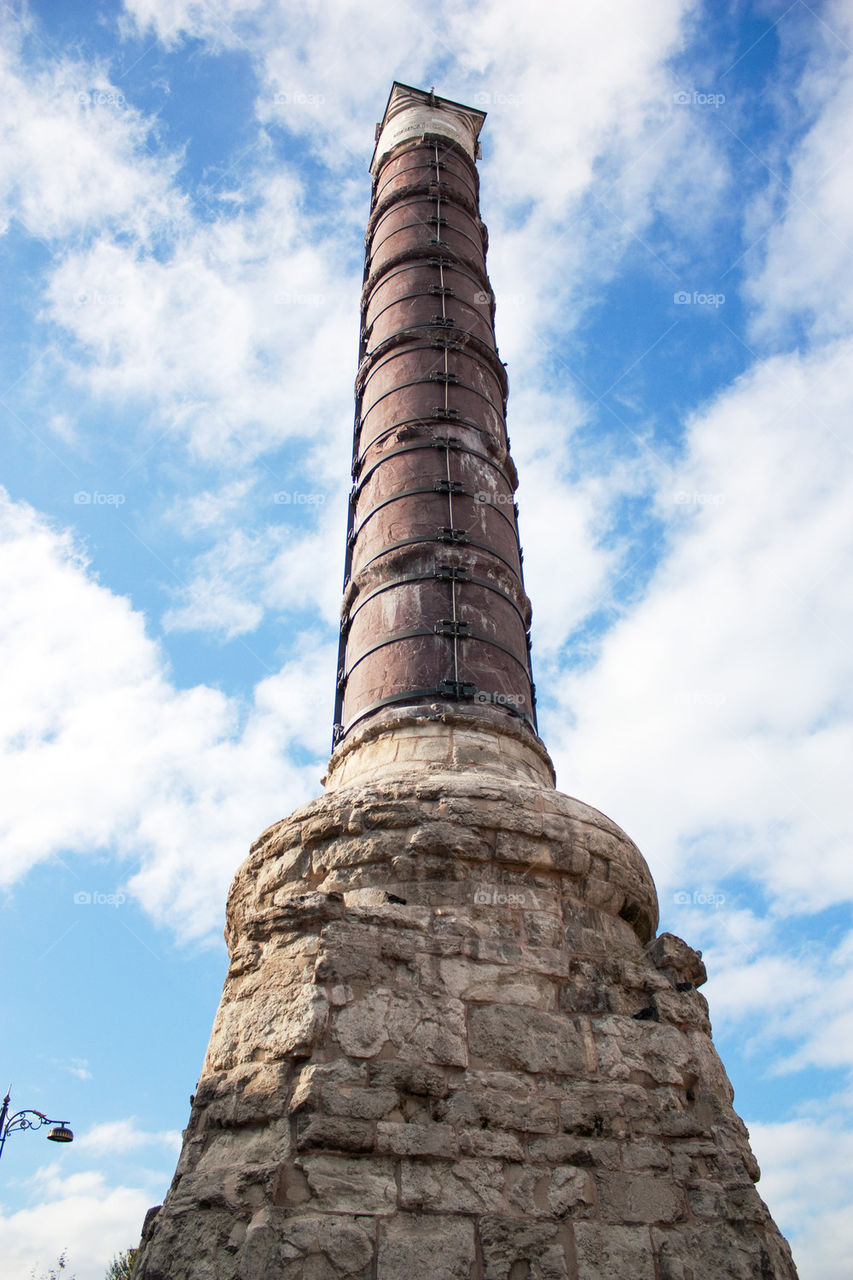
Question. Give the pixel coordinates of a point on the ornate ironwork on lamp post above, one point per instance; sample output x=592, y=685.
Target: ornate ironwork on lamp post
x=31, y=1119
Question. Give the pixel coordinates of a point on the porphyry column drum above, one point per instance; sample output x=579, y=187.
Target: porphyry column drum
x=434, y=605
x=450, y=1044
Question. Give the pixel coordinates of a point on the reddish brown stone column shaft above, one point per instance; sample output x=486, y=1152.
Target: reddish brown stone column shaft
x=434, y=605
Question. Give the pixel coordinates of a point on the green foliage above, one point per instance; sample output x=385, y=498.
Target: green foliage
x=121, y=1267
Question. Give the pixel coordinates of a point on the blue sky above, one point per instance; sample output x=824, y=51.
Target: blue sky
x=185, y=189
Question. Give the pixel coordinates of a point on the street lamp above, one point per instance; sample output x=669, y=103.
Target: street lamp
x=30, y=1119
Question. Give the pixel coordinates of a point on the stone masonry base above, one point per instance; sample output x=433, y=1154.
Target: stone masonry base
x=450, y=1047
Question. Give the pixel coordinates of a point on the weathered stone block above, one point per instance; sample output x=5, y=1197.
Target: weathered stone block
x=536, y=1191
x=409, y=1078
x=432, y=1247
x=669, y=953
x=526, y=1039
x=516, y=1250
x=565, y=1149
x=469, y=980
x=718, y=1249
x=637, y=1197
x=609, y=1252
x=495, y=1110
x=335, y=1133
x=252, y=1030
x=319, y=1247
x=496, y=1146
x=467, y=1186
x=416, y=1140
x=342, y=1184
x=645, y=1155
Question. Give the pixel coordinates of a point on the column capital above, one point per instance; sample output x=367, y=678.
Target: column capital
x=411, y=113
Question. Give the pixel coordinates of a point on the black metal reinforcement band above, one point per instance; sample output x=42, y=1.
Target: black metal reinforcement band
x=421, y=255
x=432, y=577
x=421, y=260
x=413, y=632
x=439, y=417
x=455, y=446
x=450, y=380
x=428, y=223
x=430, y=168
x=438, y=192
x=435, y=337
x=437, y=537
x=410, y=493
x=455, y=298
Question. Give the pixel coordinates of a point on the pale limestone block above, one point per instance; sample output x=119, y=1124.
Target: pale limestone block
x=627, y=1047
x=236, y=1148
x=428, y=1029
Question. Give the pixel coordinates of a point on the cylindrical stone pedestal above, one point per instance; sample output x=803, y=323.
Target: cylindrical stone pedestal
x=450, y=1046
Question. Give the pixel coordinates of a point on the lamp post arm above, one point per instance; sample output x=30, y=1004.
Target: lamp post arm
x=21, y=1120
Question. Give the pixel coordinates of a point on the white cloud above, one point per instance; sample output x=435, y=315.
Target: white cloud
x=806, y=1178
x=116, y=1137
x=225, y=338
x=73, y=153
x=715, y=716
x=102, y=751
x=81, y=1215
x=808, y=252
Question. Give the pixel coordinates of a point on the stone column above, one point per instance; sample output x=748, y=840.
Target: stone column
x=450, y=1044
